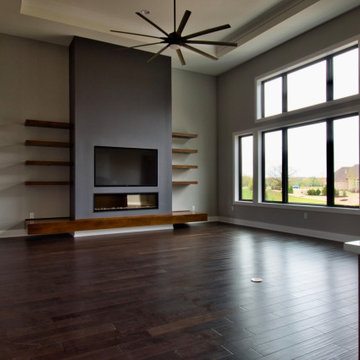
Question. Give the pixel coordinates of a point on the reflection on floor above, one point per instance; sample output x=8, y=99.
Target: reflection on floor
x=182, y=294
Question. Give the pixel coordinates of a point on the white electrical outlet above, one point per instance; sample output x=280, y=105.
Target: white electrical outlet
x=193, y=208
x=31, y=215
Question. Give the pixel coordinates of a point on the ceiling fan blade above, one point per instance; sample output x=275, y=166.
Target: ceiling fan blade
x=131, y=33
x=158, y=53
x=204, y=42
x=137, y=46
x=200, y=52
x=181, y=57
x=152, y=23
x=183, y=22
x=207, y=31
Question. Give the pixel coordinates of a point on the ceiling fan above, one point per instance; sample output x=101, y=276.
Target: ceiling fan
x=176, y=40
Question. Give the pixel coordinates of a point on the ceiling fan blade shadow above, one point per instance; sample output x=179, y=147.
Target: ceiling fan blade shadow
x=207, y=31
x=205, y=42
x=183, y=22
x=158, y=53
x=200, y=52
x=152, y=23
x=181, y=57
x=131, y=33
x=149, y=44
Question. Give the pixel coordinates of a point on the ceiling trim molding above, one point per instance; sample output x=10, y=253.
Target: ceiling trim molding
x=269, y=19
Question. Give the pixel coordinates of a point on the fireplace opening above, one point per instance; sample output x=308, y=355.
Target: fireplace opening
x=117, y=202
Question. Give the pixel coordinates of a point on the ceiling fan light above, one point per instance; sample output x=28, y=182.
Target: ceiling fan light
x=175, y=46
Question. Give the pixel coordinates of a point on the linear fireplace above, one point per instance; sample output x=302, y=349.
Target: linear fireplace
x=127, y=201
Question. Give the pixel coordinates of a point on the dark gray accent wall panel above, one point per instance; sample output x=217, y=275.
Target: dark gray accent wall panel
x=119, y=100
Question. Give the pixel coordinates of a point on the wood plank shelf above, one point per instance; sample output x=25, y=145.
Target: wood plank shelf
x=183, y=135
x=47, y=143
x=184, y=166
x=47, y=124
x=184, y=151
x=47, y=183
x=47, y=163
x=184, y=182
x=38, y=227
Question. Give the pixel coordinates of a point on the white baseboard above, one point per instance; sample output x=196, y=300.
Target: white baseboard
x=290, y=229
x=78, y=234
x=12, y=233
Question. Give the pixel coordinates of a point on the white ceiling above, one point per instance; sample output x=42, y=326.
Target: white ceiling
x=256, y=25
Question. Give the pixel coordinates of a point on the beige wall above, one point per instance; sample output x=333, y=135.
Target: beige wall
x=194, y=111
x=33, y=84
x=237, y=105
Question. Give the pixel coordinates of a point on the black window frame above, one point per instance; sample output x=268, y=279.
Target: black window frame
x=330, y=173
x=284, y=75
x=240, y=175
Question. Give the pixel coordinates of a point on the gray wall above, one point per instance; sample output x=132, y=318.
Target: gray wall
x=33, y=84
x=118, y=99
x=236, y=112
x=194, y=111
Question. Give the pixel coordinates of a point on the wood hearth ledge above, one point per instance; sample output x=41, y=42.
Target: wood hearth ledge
x=56, y=226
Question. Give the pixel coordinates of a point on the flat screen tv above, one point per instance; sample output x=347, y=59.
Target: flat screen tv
x=118, y=166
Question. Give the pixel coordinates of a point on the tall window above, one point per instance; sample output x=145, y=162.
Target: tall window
x=346, y=161
x=333, y=77
x=246, y=167
x=315, y=164
x=273, y=166
x=307, y=164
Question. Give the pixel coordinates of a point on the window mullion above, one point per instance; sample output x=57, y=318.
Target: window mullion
x=262, y=99
x=285, y=182
x=263, y=182
x=284, y=93
x=330, y=185
x=329, y=79
x=240, y=168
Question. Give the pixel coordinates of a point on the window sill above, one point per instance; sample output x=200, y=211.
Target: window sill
x=298, y=207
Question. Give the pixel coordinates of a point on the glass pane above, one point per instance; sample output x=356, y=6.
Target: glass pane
x=307, y=164
x=346, y=161
x=273, y=166
x=247, y=168
x=346, y=74
x=273, y=97
x=307, y=86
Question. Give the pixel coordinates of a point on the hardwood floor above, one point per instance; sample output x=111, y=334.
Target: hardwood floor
x=178, y=295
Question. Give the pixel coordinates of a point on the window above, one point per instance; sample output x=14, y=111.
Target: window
x=346, y=161
x=332, y=77
x=314, y=164
x=272, y=167
x=246, y=167
x=307, y=86
x=307, y=164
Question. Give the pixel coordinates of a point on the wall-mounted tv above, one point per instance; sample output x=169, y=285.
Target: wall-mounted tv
x=119, y=166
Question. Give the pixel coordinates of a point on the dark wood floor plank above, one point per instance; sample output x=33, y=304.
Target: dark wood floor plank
x=173, y=295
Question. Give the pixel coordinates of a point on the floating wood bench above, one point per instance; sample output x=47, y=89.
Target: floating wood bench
x=57, y=226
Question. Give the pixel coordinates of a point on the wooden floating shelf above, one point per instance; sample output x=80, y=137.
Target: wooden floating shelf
x=183, y=135
x=47, y=163
x=184, y=151
x=47, y=182
x=48, y=124
x=184, y=182
x=46, y=143
x=38, y=227
x=184, y=166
